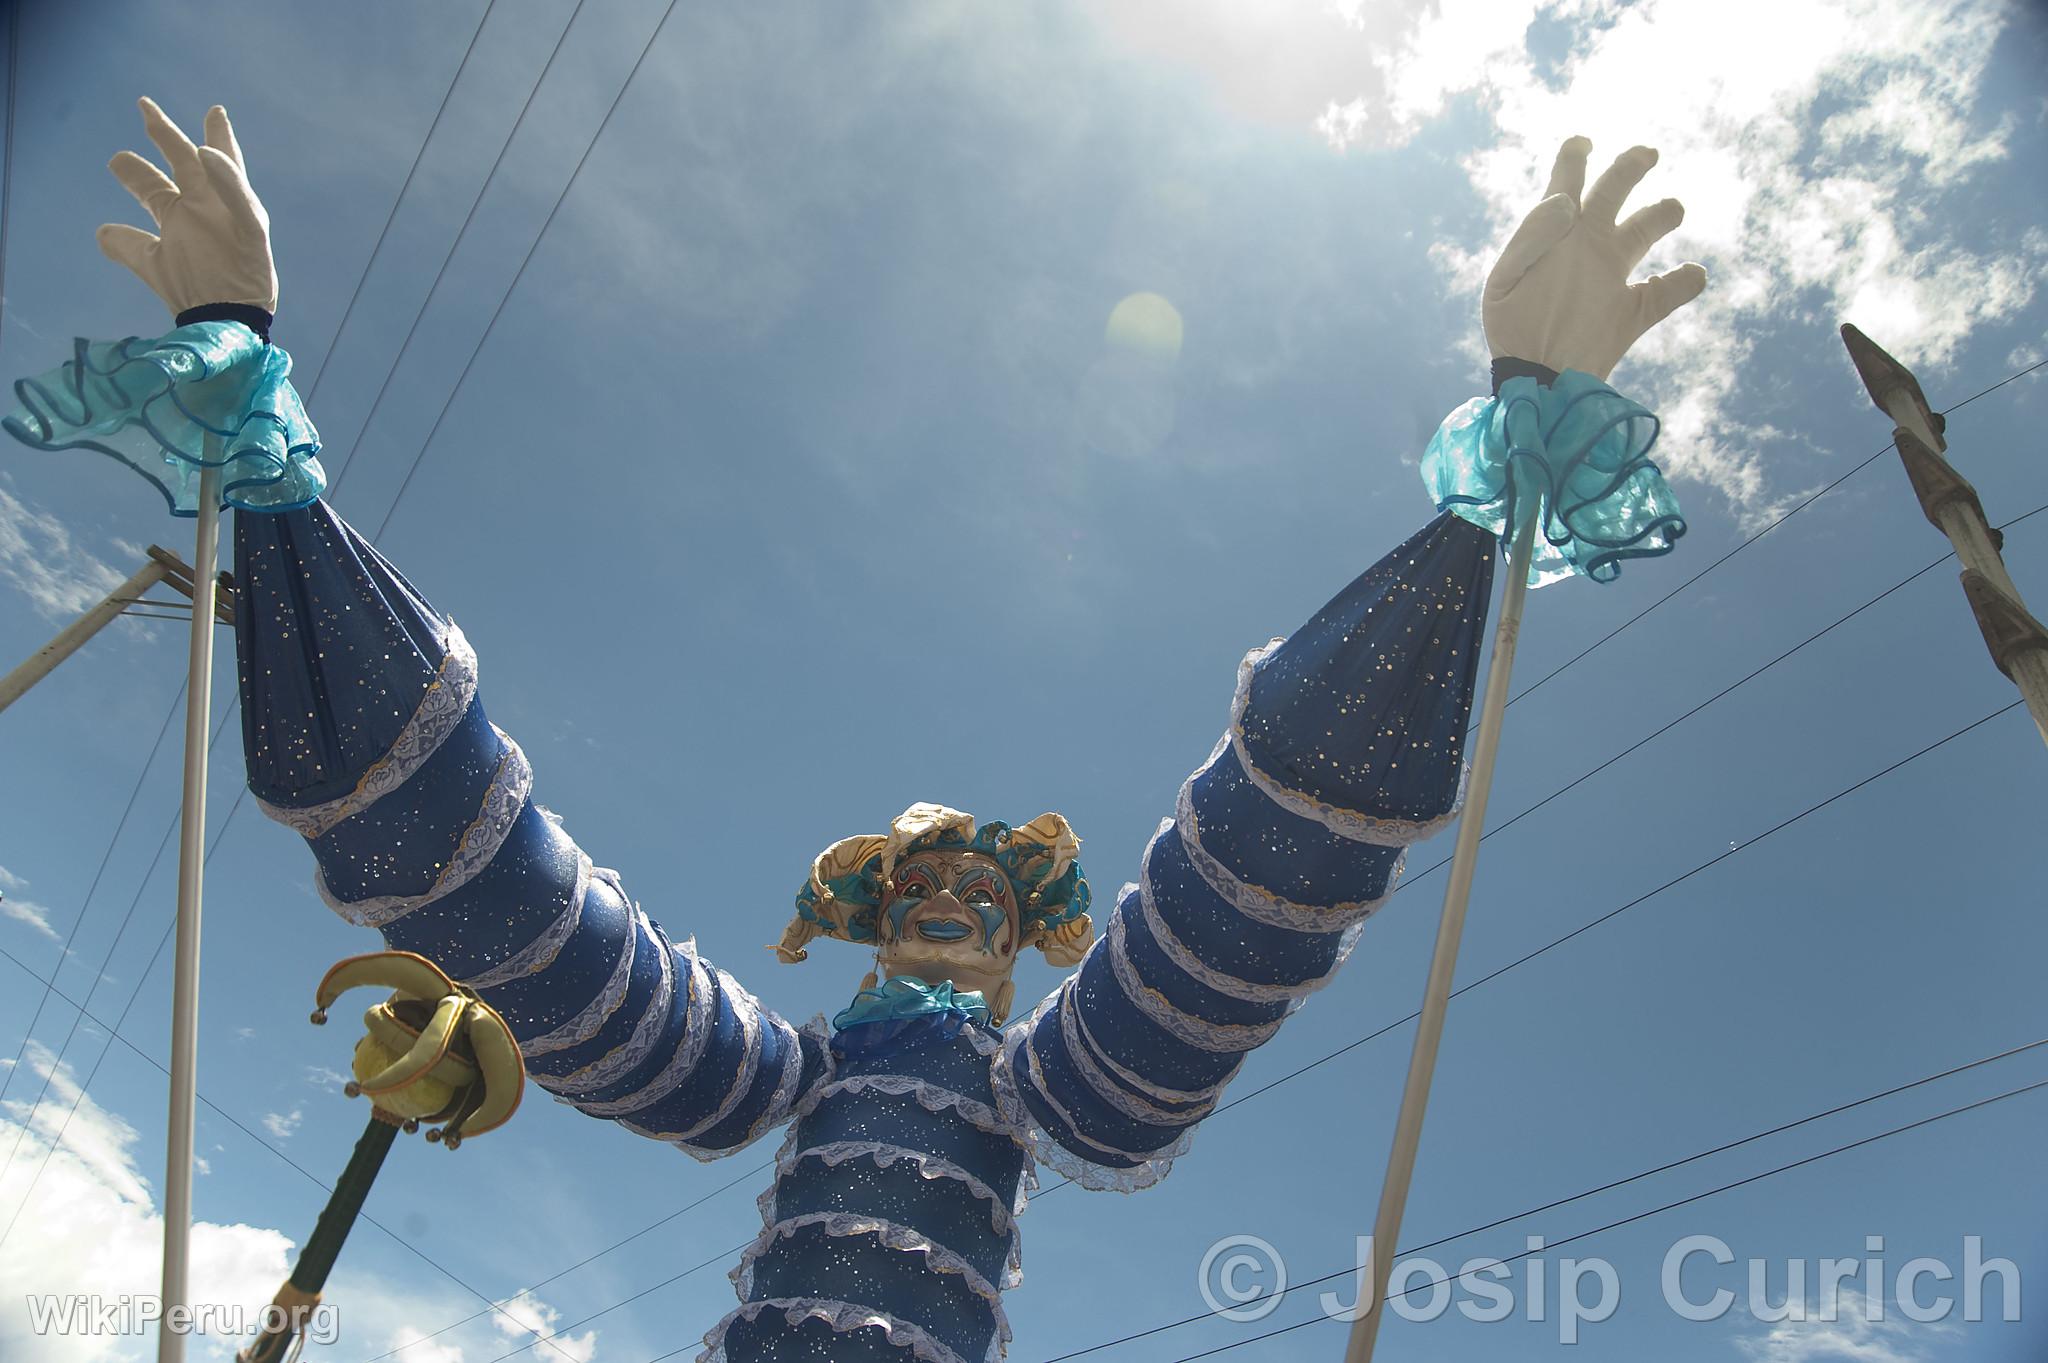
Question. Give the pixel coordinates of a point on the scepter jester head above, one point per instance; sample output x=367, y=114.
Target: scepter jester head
x=943, y=901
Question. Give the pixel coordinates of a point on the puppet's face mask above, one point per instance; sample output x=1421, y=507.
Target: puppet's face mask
x=952, y=916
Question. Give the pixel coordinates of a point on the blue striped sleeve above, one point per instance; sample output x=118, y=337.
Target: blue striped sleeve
x=1345, y=744
x=365, y=733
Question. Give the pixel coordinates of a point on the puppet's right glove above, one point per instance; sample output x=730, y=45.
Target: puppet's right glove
x=213, y=242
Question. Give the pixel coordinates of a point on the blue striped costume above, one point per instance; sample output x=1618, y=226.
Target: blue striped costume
x=890, y=1227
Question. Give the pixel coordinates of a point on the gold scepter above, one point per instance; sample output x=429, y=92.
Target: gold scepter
x=433, y=1052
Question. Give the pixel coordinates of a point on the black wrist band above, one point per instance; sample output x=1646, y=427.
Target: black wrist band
x=248, y=314
x=1505, y=369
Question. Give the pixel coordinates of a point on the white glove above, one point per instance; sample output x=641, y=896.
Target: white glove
x=1560, y=295
x=215, y=242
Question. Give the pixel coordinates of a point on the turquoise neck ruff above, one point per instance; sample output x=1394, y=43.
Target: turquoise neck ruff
x=905, y=996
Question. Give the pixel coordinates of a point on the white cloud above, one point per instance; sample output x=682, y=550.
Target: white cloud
x=16, y=905
x=1849, y=1338
x=39, y=557
x=93, y=1225
x=524, y=1316
x=1817, y=170
x=281, y=1125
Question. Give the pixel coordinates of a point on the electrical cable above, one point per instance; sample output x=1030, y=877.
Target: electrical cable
x=313, y=389
x=1642, y=1215
x=1804, y=502
x=363, y=426
x=1609, y=1186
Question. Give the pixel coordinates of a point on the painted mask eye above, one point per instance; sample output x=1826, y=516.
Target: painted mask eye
x=915, y=882
x=980, y=896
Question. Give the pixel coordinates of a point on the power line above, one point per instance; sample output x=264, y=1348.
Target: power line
x=7, y=173
x=308, y=1174
x=171, y=713
x=417, y=458
x=79, y=1098
x=1643, y=1215
x=98, y=975
x=1588, y=927
x=553, y=1335
x=1609, y=1186
x=1804, y=502
x=490, y=177
x=1531, y=809
x=64, y=953
x=520, y=273
x=1523, y=960
x=755, y=1172
x=364, y=278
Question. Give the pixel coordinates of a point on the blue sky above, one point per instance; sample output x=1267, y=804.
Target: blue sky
x=818, y=354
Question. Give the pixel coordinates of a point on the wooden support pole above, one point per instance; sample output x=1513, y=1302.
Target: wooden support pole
x=73, y=636
x=2018, y=642
x=174, y=1294
x=1443, y=961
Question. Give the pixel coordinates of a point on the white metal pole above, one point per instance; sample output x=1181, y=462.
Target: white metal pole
x=1443, y=962
x=170, y=1346
x=73, y=636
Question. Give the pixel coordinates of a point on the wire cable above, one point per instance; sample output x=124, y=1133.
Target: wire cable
x=6, y=180
x=98, y=975
x=1609, y=1186
x=79, y=1098
x=1805, y=502
x=309, y=1175
x=1642, y=1215
x=64, y=953
x=313, y=389
x=753, y=1173
x=490, y=177
x=7, y=172
x=1607, y=917
x=520, y=273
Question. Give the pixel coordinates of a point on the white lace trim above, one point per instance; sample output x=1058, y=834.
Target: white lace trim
x=841, y=1316
x=696, y=1036
x=627, y=1057
x=441, y=708
x=1201, y=971
x=1045, y=1149
x=1204, y=1097
x=891, y=1235
x=541, y=952
x=599, y=1010
x=480, y=843
x=1107, y=1089
x=783, y=1102
x=1073, y=1127
x=748, y=1010
x=1223, y=1038
x=1345, y=823
x=1263, y=906
x=931, y=1097
x=1002, y=1216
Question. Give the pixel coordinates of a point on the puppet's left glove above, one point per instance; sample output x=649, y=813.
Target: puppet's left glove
x=1559, y=295
x=213, y=237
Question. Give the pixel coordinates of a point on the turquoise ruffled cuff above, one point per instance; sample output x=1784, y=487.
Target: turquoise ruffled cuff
x=211, y=394
x=1580, y=447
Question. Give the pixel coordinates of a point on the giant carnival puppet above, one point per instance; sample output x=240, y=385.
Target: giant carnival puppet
x=913, y=1121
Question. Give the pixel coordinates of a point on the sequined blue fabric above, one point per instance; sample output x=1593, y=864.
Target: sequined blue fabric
x=1577, y=446
x=209, y=394
x=889, y=1229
